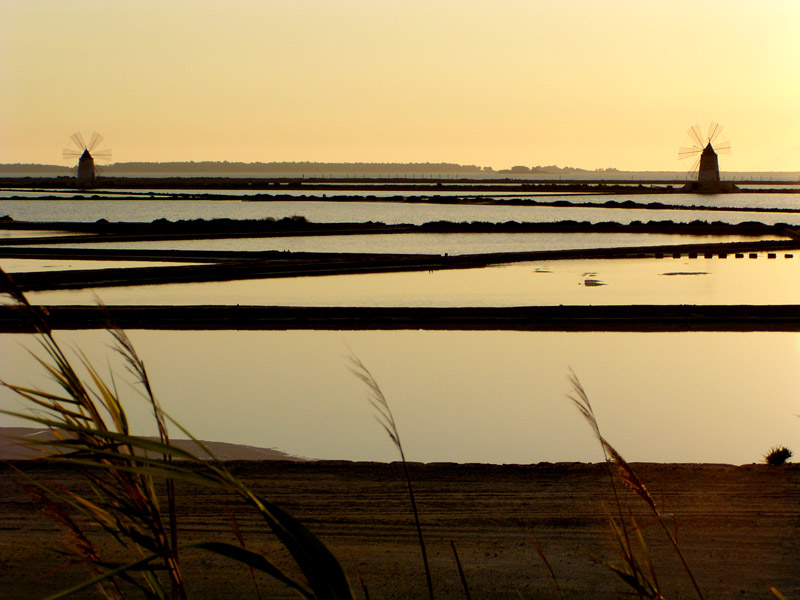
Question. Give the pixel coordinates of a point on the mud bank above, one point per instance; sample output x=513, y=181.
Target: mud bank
x=163, y=229
x=231, y=266
x=535, y=318
x=412, y=182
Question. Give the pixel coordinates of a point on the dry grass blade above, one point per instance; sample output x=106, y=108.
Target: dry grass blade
x=90, y=432
x=540, y=551
x=253, y=561
x=109, y=575
x=378, y=401
x=237, y=532
x=320, y=567
x=7, y=286
x=461, y=575
x=646, y=555
x=79, y=545
x=323, y=572
x=630, y=570
x=386, y=419
x=630, y=478
x=362, y=583
x=581, y=400
x=136, y=366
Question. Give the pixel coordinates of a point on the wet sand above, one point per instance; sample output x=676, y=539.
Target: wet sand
x=739, y=528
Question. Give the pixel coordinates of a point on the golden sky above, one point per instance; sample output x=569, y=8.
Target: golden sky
x=590, y=84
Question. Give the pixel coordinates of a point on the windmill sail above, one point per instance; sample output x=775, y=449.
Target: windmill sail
x=704, y=152
x=86, y=154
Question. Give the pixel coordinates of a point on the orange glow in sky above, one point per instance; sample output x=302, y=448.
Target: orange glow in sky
x=501, y=83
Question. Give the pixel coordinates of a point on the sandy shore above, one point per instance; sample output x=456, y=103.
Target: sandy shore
x=738, y=526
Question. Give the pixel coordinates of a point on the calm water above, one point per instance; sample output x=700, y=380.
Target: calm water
x=22, y=265
x=620, y=281
x=331, y=190
x=328, y=211
x=457, y=396
x=462, y=396
x=424, y=243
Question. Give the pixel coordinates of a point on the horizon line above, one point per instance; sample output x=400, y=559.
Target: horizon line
x=477, y=168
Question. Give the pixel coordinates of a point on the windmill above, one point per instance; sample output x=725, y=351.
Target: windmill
x=86, y=155
x=705, y=154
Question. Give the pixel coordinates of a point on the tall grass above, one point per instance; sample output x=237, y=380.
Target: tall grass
x=133, y=498
x=636, y=567
x=386, y=419
x=128, y=475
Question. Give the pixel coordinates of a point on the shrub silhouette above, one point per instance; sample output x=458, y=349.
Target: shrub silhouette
x=777, y=455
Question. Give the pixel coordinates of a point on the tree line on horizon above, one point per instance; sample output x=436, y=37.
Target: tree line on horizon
x=206, y=167
x=211, y=168
x=258, y=167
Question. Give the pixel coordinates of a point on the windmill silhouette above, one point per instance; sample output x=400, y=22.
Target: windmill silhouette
x=706, y=163
x=86, y=155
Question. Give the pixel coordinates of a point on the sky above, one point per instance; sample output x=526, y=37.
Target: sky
x=494, y=83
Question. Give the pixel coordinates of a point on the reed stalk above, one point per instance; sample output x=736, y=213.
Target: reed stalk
x=641, y=577
x=461, y=575
x=90, y=432
x=385, y=417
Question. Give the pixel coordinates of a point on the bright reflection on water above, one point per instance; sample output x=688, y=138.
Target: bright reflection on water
x=463, y=396
x=621, y=281
x=23, y=265
x=8, y=234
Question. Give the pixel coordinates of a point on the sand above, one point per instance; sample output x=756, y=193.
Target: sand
x=739, y=528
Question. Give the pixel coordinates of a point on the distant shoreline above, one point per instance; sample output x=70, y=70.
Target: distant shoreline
x=12, y=447
x=415, y=182
x=427, y=170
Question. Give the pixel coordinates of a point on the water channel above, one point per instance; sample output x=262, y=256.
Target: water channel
x=465, y=396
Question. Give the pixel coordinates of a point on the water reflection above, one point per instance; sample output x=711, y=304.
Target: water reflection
x=601, y=281
x=23, y=265
x=330, y=211
x=425, y=243
x=464, y=396
x=8, y=234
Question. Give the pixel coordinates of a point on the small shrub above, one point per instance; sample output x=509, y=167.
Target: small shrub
x=777, y=455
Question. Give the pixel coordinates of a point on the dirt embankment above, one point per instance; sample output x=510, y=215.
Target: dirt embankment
x=279, y=183
x=407, y=182
x=163, y=229
x=233, y=265
x=527, y=318
x=738, y=527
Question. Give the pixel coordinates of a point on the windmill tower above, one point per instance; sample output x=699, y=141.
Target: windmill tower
x=86, y=154
x=707, y=161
